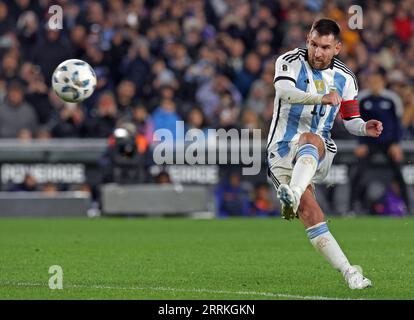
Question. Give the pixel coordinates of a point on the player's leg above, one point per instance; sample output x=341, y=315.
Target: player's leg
x=322, y=240
x=310, y=151
x=312, y=217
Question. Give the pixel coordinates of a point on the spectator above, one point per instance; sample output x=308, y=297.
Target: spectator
x=10, y=66
x=161, y=75
x=203, y=69
x=263, y=205
x=210, y=94
x=6, y=21
x=77, y=37
x=166, y=117
x=94, y=55
x=50, y=52
x=143, y=123
x=117, y=52
x=163, y=178
x=250, y=120
x=68, y=122
x=236, y=48
x=94, y=14
x=180, y=60
x=402, y=24
x=167, y=91
x=227, y=112
x=135, y=65
x=3, y=89
x=104, y=83
x=125, y=95
x=16, y=8
x=16, y=114
x=37, y=92
x=50, y=189
x=25, y=135
x=27, y=31
x=261, y=91
x=29, y=184
x=407, y=97
x=231, y=198
x=394, y=203
x=245, y=77
x=196, y=120
x=384, y=105
x=264, y=50
x=103, y=123
x=43, y=133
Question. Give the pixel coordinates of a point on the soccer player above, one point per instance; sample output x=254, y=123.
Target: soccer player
x=312, y=86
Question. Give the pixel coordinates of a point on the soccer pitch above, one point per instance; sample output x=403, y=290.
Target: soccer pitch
x=177, y=258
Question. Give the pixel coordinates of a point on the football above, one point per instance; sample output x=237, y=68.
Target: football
x=74, y=80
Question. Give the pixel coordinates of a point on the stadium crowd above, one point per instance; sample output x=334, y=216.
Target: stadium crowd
x=208, y=63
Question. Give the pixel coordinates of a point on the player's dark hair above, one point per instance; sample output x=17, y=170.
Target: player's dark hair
x=326, y=27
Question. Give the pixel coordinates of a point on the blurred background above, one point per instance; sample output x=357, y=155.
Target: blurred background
x=210, y=64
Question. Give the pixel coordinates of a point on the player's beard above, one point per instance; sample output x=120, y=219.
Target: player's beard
x=320, y=65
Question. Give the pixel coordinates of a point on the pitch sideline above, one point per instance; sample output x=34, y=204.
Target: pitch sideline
x=195, y=290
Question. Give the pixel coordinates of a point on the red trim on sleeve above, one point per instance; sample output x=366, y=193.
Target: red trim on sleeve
x=349, y=109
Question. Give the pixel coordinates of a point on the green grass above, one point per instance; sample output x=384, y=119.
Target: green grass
x=200, y=259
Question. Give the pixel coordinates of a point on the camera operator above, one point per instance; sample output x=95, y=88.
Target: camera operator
x=125, y=161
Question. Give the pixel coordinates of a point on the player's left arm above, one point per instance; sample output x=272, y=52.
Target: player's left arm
x=349, y=111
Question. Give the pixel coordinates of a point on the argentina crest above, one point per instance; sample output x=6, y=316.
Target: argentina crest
x=320, y=86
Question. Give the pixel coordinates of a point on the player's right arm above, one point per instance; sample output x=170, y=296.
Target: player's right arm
x=286, y=74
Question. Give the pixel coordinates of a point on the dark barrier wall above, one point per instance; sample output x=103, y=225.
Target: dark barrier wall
x=76, y=162
x=37, y=204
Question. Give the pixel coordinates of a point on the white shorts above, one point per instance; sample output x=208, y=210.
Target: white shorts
x=280, y=168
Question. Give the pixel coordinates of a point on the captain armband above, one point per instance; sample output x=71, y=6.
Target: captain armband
x=349, y=109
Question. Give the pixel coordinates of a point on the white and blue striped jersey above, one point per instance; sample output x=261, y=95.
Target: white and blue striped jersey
x=290, y=119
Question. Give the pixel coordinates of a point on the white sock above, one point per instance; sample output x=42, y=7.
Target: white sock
x=304, y=169
x=326, y=245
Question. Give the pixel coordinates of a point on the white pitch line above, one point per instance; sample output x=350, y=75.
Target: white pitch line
x=195, y=290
